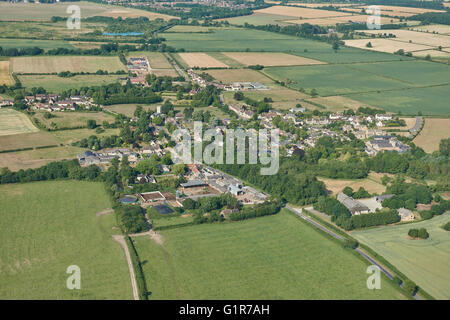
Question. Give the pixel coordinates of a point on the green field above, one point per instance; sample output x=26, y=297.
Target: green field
x=14, y=122
x=276, y=257
x=48, y=226
x=55, y=84
x=239, y=39
x=27, y=43
x=72, y=119
x=426, y=262
x=260, y=19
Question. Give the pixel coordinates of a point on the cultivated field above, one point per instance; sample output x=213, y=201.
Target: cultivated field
x=48, y=226
x=40, y=11
x=432, y=133
x=342, y=19
x=26, y=140
x=423, y=261
x=55, y=84
x=259, y=19
x=276, y=257
x=201, y=60
x=336, y=103
x=270, y=59
x=304, y=13
x=424, y=38
x=438, y=28
x=72, y=119
x=239, y=75
x=5, y=77
x=386, y=45
x=66, y=63
x=14, y=122
x=27, y=43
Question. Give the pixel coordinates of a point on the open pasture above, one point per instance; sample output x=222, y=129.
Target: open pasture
x=55, y=84
x=201, y=60
x=268, y=59
x=424, y=261
x=5, y=77
x=57, y=64
x=432, y=133
x=26, y=140
x=14, y=122
x=27, y=43
x=72, y=119
x=274, y=257
x=43, y=11
x=48, y=226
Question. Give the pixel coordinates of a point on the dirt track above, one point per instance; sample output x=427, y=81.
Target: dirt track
x=121, y=239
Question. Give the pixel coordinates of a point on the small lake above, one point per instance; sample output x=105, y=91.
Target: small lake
x=123, y=34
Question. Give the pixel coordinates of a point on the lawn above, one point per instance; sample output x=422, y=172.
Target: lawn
x=48, y=226
x=55, y=84
x=276, y=257
x=423, y=261
x=14, y=122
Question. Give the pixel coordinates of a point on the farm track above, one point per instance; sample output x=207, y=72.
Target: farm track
x=121, y=240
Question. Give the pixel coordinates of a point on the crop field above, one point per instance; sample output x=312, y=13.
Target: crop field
x=424, y=38
x=331, y=21
x=270, y=59
x=46, y=228
x=432, y=133
x=14, y=122
x=337, y=185
x=241, y=40
x=386, y=45
x=437, y=28
x=424, y=261
x=5, y=77
x=72, y=119
x=27, y=43
x=332, y=79
x=403, y=11
x=55, y=84
x=239, y=75
x=201, y=60
x=303, y=13
x=276, y=257
x=259, y=19
x=40, y=11
x=428, y=100
x=37, y=158
x=336, y=103
x=66, y=63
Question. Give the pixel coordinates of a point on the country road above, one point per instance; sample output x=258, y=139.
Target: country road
x=121, y=239
x=334, y=235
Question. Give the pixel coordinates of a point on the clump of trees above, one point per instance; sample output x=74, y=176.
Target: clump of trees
x=360, y=194
x=131, y=218
x=418, y=233
x=259, y=210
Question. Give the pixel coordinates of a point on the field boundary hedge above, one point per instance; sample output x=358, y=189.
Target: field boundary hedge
x=137, y=266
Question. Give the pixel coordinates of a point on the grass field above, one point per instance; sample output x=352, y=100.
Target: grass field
x=46, y=228
x=37, y=158
x=39, y=11
x=26, y=140
x=276, y=257
x=14, y=122
x=69, y=136
x=423, y=261
x=55, y=84
x=27, y=43
x=433, y=131
x=5, y=77
x=337, y=185
x=57, y=64
x=72, y=119
x=241, y=75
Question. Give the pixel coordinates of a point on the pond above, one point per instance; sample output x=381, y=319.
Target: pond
x=128, y=199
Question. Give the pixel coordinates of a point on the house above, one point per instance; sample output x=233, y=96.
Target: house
x=405, y=214
x=138, y=80
x=297, y=109
x=6, y=102
x=355, y=207
x=226, y=212
x=145, y=178
x=383, y=117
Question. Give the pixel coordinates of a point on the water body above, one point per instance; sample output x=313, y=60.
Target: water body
x=123, y=34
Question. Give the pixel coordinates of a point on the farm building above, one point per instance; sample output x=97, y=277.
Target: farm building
x=151, y=196
x=355, y=207
x=193, y=184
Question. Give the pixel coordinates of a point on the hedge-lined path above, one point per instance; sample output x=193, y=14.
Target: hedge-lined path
x=121, y=239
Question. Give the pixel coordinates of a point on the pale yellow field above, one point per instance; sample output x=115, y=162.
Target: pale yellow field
x=395, y=13
x=386, y=45
x=239, y=75
x=201, y=60
x=433, y=54
x=305, y=13
x=345, y=18
x=65, y=63
x=423, y=38
x=318, y=5
x=133, y=13
x=270, y=59
x=14, y=122
x=337, y=185
x=433, y=131
x=406, y=9
x=5, y=77
x=438, y=28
